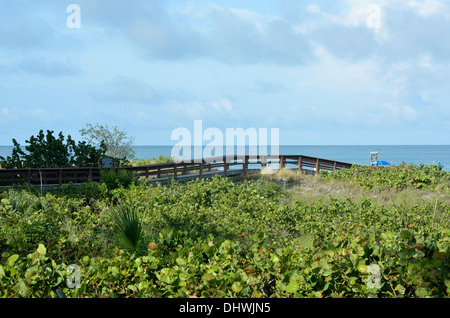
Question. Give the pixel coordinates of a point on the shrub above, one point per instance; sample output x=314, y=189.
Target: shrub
x=46, y=151
x=120, y=178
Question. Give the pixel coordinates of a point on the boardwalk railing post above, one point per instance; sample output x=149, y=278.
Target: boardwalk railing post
x=334, y=166
x=60, y=177
x=225, y=168
x=200, y=172
x=299, y=164
x=317, y=166
x=282, y=162
x=245, y=166
x=263, y=162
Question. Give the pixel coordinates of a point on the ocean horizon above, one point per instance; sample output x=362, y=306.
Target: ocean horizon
x=355, y=154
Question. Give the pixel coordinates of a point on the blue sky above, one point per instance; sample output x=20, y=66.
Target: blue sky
x=317, y=70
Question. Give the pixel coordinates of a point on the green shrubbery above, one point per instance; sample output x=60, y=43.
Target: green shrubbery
x=216, y=238
x=394, y=177
x=120, y=178
x=47, y=151
x=144, y=162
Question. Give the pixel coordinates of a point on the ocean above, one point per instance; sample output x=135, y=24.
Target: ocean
x=394, y=155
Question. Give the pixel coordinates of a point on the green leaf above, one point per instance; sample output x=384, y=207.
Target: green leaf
x=42, y=250
x=21, y=288
x=132, y=287
x=306, y=241
x=387, y=236
x=406, y=235
x=292, y=287
x=421, y=292
x=447, y=283
x=31, y=274
x=414, y=268
x=2, y=272
x=236, y=287
x=183, y=276
x=180, y=261
x=400, y=288
x=13, y=258
x=142, y=285
x=208, y=277
x=182, y=293
x=362, y=268
x=329, y=253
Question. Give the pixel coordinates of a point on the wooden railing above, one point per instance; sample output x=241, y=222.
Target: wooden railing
x=59, y=176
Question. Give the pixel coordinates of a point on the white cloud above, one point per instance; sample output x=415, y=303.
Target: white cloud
x=8, y=114
x=428, y=8
x=222, y=107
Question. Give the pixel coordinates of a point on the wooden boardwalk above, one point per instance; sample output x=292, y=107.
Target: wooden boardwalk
x=183, y=171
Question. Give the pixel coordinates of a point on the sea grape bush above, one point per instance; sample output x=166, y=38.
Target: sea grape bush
x=395, y=177
x=47, y=151
x=217, y=238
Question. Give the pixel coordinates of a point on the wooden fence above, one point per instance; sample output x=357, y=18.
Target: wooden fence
x=223, y=164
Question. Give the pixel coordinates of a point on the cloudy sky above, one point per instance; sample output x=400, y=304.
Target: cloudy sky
x=325, y=72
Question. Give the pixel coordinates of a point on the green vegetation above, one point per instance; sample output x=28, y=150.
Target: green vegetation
x=394, y=177
x=117, y=179
x=46, y=151
x=381, y=232
x=144, y=162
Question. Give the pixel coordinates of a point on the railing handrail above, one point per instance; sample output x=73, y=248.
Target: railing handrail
x=158, y=169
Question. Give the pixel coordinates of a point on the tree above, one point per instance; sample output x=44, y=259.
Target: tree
x=46, y=151
x=118, y=144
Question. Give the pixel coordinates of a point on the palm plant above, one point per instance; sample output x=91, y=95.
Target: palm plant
x=129, y=226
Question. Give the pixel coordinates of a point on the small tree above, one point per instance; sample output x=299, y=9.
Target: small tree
x=118, y=144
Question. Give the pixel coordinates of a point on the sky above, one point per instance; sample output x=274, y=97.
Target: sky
x=335, y=72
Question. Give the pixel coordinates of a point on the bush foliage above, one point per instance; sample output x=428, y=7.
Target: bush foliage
x=47, y=151
x=216, y=238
